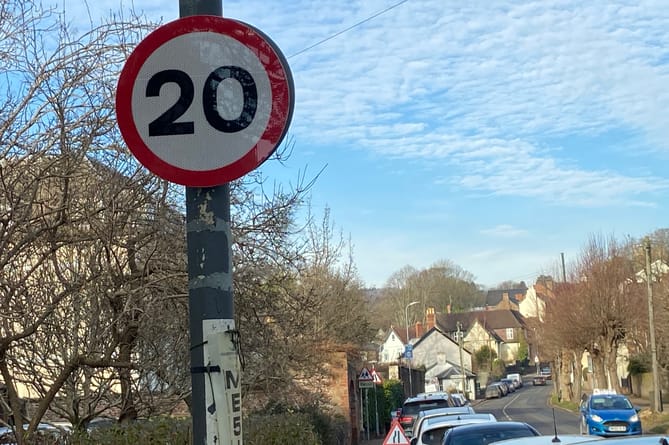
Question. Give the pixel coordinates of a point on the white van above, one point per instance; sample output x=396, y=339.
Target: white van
x=515, y=377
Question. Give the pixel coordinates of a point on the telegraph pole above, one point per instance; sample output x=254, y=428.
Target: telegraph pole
x=657, y=401
x=462, y=368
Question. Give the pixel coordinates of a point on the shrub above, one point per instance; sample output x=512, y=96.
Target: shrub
x=280, y=429
x=158, y=431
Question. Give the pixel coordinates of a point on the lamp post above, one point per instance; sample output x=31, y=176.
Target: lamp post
x=406, y=322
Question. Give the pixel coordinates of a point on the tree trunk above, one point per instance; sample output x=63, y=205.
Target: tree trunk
x=14, y=400
x=128, y=411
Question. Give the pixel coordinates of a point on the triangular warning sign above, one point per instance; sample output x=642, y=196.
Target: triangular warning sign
x=365, y=375
x=396, y=435
x=376, y=377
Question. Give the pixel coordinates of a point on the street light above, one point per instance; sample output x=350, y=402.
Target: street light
x=406, y=322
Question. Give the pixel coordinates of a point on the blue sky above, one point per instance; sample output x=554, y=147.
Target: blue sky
x=494, y=134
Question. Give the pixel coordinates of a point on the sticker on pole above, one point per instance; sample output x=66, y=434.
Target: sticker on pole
x=203, y=100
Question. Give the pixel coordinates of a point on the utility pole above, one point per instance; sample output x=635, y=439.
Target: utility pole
x=408, y=350
x=564, y=271
x=657, y=401
x=462, y=368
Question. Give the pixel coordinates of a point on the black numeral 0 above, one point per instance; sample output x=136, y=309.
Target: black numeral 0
x=210, y=93
x=165, y=125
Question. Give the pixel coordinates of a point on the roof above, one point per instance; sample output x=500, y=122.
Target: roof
x=454, y=370
x=400, y=334
x=493, y=319
x=440, y=332
x=494, y=297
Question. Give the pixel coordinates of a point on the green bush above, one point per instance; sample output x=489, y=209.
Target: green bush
x=280, y=429
x=330, y=429
x=159, y=431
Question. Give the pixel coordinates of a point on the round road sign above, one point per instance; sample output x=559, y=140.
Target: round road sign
x=203, y=100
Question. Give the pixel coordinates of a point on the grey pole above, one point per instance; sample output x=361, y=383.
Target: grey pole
x=376, y=411
x=406, y=322
x=209, y=240
x=657, y=403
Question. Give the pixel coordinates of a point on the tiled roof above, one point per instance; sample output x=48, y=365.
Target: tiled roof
x=494, y=297
x=495, y=319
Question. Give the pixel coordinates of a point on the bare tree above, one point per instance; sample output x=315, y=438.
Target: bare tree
x=442, y=285
x=599, y=311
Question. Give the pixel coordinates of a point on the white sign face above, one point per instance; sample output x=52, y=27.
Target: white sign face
x=213, y=66
x=365, y=375
x=204, y=100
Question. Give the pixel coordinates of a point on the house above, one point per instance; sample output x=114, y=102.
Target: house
x=501, y=328
x=534, y=303
x=657, y=269
x=445, y=362
x=392, y=346
x=505, y=298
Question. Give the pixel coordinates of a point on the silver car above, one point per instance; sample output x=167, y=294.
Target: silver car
x=431, y=430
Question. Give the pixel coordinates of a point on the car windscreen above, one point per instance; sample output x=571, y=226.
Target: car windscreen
x=434, y=436
x=488, y=436
x=609, y=402
x=424, y=405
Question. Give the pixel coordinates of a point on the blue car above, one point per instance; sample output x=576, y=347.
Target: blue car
x=606, y=414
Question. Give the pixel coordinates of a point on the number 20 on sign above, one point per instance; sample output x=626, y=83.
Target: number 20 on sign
x=204, y=100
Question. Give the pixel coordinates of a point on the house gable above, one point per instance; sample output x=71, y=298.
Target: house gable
x=435, y=347
x=392, y=347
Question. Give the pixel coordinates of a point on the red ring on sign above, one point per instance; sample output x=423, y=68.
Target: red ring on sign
x=282, y=92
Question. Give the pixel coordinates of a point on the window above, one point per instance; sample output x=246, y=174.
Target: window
x=509, y=333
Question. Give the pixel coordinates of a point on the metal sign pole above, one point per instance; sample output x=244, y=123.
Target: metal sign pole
x=376, y=411
x=210, y=301
x=186, y=153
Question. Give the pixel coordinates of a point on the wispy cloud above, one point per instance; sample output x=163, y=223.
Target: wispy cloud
x=478, y=87
x=504, y=231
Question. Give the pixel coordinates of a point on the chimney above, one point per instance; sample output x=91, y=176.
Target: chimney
x=505, y=303
x=429, y=318
x=419, y=329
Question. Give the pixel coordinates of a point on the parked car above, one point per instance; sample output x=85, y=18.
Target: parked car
x=432, y=429
x=438, y=412
x=504, y=387
x=45, y=432
x=512, y=386
x=546, y=372
x=422, y=402
x=538, y=380
x=609, y=414
x=493, y=391
x=460, y=398
x=566, y=439
x=485, y=433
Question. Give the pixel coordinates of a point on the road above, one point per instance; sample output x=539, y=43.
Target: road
x=530, y=404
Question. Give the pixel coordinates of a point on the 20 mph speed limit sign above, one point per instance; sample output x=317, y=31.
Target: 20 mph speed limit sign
x=203, y=100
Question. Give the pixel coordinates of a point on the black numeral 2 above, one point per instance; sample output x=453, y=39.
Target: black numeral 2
x=166, y=125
